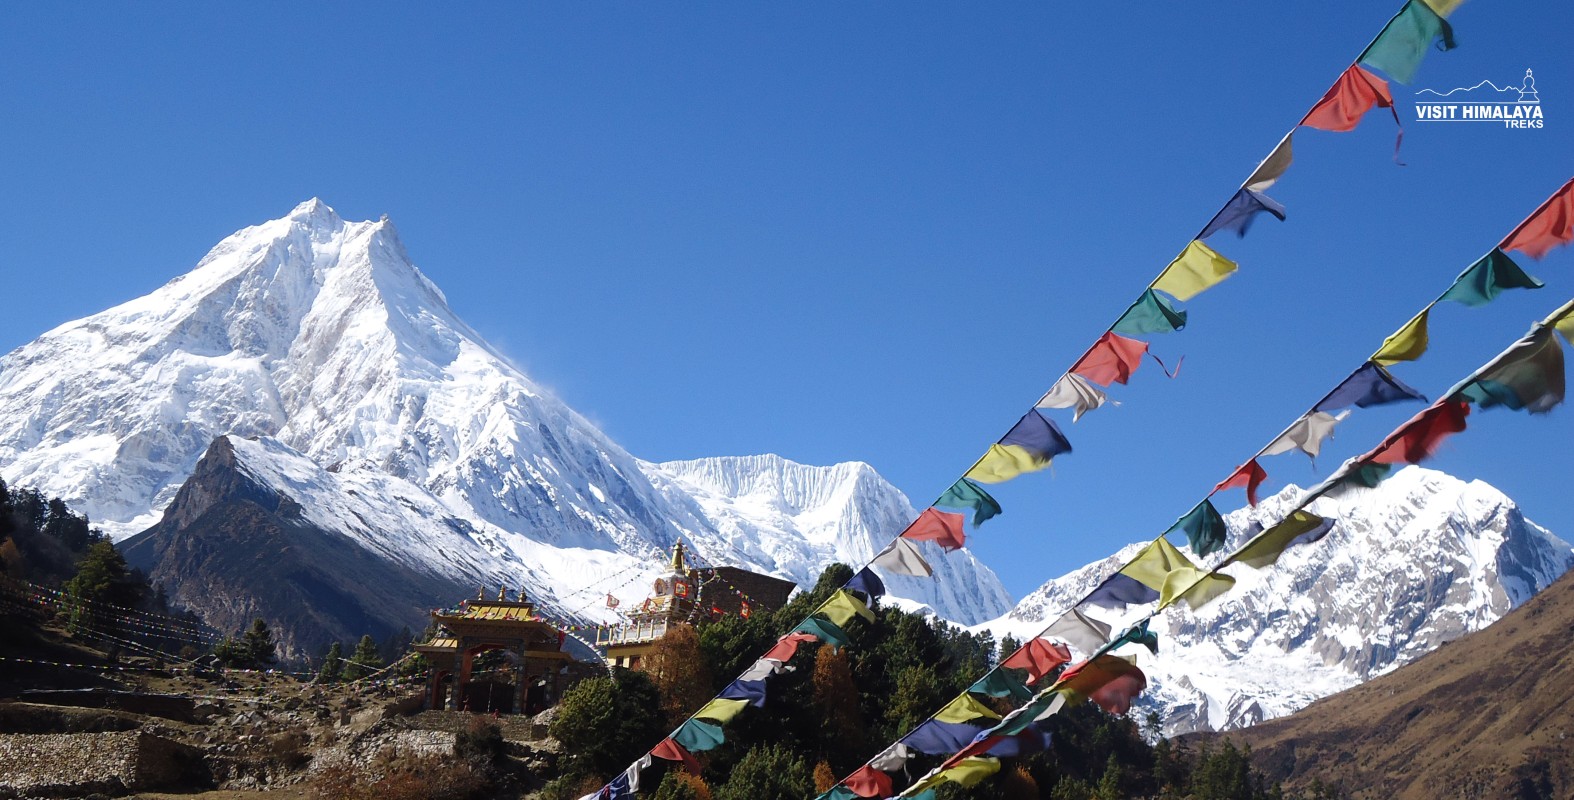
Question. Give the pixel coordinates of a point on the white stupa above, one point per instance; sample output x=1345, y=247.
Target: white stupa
x=1527, y=90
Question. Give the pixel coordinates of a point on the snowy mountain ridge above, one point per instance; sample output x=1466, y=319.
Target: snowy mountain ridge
x=1410, y=565
x=317, y=338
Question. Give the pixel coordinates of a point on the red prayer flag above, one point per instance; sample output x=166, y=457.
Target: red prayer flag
x=942, y=527
x=1038, y=657
x=869, y=782
x=1549, y=226
x=1347, y=100
x=1112, y=359
x=1251, y=475
x=787, y=646
x=672, y=751
x=743, y=609
x=1420, y=437
x=1107, y=680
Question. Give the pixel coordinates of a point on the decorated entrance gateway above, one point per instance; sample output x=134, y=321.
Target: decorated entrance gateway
x=531, y=646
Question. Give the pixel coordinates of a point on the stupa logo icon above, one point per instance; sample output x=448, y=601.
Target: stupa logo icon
x=1511, y=106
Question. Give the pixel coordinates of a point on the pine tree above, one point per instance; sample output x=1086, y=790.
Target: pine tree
x=258, y=646
x=604, y=723
x=364, y=661
x=332, y=665
x=230, y=653
x=768, y=772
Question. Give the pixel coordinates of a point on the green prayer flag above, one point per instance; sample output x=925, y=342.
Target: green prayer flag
x=1204, y=527
x=1150, y=314
x=1366, y=476
x=825, y=630
x=966, y=494
x=838, y=792
x=1487, y=278
x=1398, y=50
x=1003, y=682
x=697, y=736
x=1138, y=634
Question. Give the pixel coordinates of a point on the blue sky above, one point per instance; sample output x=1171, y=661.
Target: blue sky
x=836, y=232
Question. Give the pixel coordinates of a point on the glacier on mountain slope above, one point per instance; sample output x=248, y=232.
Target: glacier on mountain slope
x=1416, y=562
x=317, y=338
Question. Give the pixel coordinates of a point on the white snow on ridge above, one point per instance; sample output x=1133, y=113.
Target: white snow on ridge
x=317, y=338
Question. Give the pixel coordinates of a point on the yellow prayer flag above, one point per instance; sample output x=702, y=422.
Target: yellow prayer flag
x=1197, y=268
x=842, y=607
x=1266, y=547
x=1443, y=7
x=1154, y=563
x=1195, y=586
x=721, y=709
x=1407, y=343
x=972, y=770
x=965, y=708
x=1565, y=326
x=1003, y=462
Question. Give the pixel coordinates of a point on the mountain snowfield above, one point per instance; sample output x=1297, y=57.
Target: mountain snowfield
x=1411, y=565
x=344, y=380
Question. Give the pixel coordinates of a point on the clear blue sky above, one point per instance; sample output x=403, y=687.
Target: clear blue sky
x=830, y=231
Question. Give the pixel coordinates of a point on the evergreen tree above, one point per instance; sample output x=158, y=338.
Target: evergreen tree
x=230, y=653
x=679, y=784
x=768, y=772
x=364, y=661
x=332, y=665
x=7, y=523
x=605, y=723
x=101, y=578
x=258, y=647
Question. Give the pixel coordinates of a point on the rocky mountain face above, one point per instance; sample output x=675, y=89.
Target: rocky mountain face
x=344, y=384
x=1419, y=561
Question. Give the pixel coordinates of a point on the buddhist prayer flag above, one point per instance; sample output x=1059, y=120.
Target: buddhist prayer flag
x=697, y=736
x=1138, y=634
x=824, y=630
x=1112, y=359
x=1443, y=7
x=721, y=709
x=971, y=771
x=787, y=646
x=892, y=758
x=1204, y=528
x=1307, y=434
x=1371, y=385
x=1238, y=214
x=1529, y=377
x=1365, y=475
x=1347, y=100
x=1196, y=269
x=672, y=751
x=838, y=792
x=618, y=789
x=766, y=667
x=1110, y=681
x=941, y=527
x=1301, y=527
x=1038, y=657
x=901, y=557
x=1159, y=572
x=1002, y=683
x=751, y=692
x=1272, y=167
x=1000, y=464
x=867, y=582
x=842, y=607
x=1549, y=226
x=1120, y=590
x=1421, y=436
x=869, y=782
x=632, y=773
x=966, y=494
x=1487, y=278
x=1075, y=392
x=937, y=738
x=1565, y=326
x=1150, y=314
x=1250, y=475
x=1032, y=740
x=1405, y=344
x=965, y=708
x=1029, y=446
x=1398, y=50
x=1080, y=631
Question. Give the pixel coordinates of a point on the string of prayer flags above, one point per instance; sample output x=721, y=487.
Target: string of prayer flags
x=1038, y=657
x=787, y=647
x=966, y=494
x=1150, y=314
x=1421, y=436
x=1355, y=93
x=1075, y=392
x=1550, y=225
x=1030, y=445
x=1264, y=549
x=697, y=736
x=1272, y=167
x=1370, y=385
x=1112, y=359
x=842, y=606
x=721, y=709
x=869, y=782
x=1529, y=377
x=1306, y=434
x=1080, y=631
x=1250, y=475
x=1398, y=50
x=1238, y=214
x=825, y=631
x=1406, y=344
x=941, y=527
x=1110, y=681
x=901, y=557
x=1487, y=278
x=1204, y=528
x=1195, y=270
x=868, y=583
